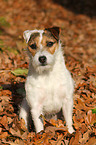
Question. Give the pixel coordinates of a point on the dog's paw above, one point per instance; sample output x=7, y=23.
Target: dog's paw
x=71, y=130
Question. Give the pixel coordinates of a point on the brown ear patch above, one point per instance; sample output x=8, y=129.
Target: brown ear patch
x=54, y=31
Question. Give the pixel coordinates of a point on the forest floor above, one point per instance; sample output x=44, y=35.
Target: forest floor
x=77, y=20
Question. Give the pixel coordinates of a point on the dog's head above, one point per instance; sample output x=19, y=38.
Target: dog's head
x=42, y=47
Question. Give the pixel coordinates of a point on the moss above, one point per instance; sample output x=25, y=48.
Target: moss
x=13, y=50
x=1, y=45
x=3, y=22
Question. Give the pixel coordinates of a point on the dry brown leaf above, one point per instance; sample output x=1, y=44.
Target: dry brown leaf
x=83, y=128
x=75, y=140
x=59, y=140
x=22, y=125
x=24, y=135
x=18, y=142
x=92, y=141
x=81, y=105
x=0, y=129
x=15, y=133
x=3, y=135
x=5, y=93
x=5, y=99
x=4, y=122
x=85, y=137
x=9, y=120
x=76, y=123
x=90, y=118
x=1, y=108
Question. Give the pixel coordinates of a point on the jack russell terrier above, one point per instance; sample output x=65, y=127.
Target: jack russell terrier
x=49, y=85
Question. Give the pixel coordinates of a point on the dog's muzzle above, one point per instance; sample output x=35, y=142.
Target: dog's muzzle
x=42, y=60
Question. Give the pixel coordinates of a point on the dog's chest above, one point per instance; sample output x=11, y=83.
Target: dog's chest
x=47, y=91
x=52, y=100
x=50, y=94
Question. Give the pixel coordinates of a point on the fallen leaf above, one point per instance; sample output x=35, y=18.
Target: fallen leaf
x=85, y=137
x=75, y=140
x=20, y=72
x=3, y=135
x=4, y=122
x=92, y=141
x=90, y=118
x=94, y=110
x=15, y=133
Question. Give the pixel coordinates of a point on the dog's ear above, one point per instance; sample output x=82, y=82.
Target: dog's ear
x=27, y=35
x=55, y=31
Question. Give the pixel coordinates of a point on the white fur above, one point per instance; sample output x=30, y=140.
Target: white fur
x=48, y=89
x=36, y=64
x=28, y=33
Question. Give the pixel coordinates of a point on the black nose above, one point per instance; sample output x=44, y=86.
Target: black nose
x=42, y=59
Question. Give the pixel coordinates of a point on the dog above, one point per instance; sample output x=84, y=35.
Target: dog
x=49, y=85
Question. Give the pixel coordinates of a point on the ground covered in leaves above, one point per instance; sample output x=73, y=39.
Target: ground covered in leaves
x=77, y=20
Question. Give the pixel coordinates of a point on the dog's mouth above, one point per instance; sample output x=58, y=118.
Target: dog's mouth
x=43, y=64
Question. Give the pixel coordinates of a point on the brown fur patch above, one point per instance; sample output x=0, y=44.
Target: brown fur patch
x=34, y=39
x=47, y=37
x=32, y=51
x=52, y=49
x=54, y=32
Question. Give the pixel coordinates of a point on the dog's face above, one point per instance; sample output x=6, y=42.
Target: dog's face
x=42, y=46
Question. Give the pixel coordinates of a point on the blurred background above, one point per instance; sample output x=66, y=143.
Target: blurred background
x=77, y=20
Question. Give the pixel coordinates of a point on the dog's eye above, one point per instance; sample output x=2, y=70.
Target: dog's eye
x=49, y=44
x=33, y=46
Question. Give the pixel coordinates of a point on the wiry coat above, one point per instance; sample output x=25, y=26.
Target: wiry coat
x=49, y=87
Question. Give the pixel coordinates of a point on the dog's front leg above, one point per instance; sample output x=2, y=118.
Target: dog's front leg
x=24, y=111
x=67, y=109
x=36, y=119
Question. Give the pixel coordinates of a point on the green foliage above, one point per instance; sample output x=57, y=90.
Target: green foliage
x=1, y=87
x=10, y=49
x=1, y=43
x=3, y=22
x=20, y=72
x=94, y=110
x=13, y=50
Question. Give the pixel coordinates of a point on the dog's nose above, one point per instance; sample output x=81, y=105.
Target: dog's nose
x=42, y=59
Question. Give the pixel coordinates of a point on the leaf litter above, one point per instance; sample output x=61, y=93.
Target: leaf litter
x=78, y=35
